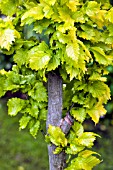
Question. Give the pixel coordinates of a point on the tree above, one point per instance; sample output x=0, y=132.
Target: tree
x=65, y=45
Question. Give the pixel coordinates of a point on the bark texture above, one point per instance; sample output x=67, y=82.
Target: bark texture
x=56, y=161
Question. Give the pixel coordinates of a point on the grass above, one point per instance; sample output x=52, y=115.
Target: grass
x=19, y=150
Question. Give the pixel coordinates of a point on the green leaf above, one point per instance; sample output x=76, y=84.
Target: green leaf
x=54, y=62
x=35, y=128
x=74, y=72
x=87, y=139
x=74, y=149
x=57, y=150
x=9, y=9
x=56, y=136
x=48, y=11
x=72, y=50
x=39, y=56
x=50, y=2
x=101, y=57
x=102, y=90
x=79, y=114
x=38, y=92
x=96, y=76
x=20, y=57
x=109, y=15
x=7, y=37
x=78, y=128
x=15, y=105
x=84, y=48
x=92, y=8
x=87, y=153
x=2, y=80
x=73, y=5
x=35, y=13
x=84, y=161
x=24, y=121
x=33, y=109
x=96, y=112
x=43, y=114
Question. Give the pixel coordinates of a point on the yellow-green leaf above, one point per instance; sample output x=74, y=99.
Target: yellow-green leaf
x=79, y=114
x=56, y=136
x=96, y=112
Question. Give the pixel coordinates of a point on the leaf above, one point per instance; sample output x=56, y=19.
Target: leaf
x=73, y=5
x=15, y=105
x=39, y=56
x=51, y=2
x=64, y=15
x=109, y=15
x=96, y=112
x=74, y=72
x=57, y=150
x=102, y=90
x=35, y=13
x=74, y=149
x=38, y=92
x=92, y=8
x=85, y=33
x=79, y=114
x=24, y=122
x=48, y=11
x=54, y=62
x=56, y=136
x=33, y=109
x=87, y=153
x=2, y=80
x=78, y=128
x=7, y=37
x=20, y=57
x=85, y=161
x=72, y=51
x=87, y=139
x=84, y=48
x=9, y=9
x=43, y=114
x=35, y=128
x=100, y=56
x=96, y=76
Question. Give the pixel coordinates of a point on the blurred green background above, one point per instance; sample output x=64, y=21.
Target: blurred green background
x=18, y=149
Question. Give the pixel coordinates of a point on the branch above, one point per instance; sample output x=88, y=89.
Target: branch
x=67, y=122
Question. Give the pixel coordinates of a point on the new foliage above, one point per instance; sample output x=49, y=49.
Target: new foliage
x=76, y=39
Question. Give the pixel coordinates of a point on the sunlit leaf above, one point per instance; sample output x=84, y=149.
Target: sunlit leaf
x=38, y=92
x=24, y=121
x=15, y=105
x=56, y=136
x=78, y=128
x=36, y=13
x=87, y=139
x=96, y=112
x=7, y=37
x=39, y=56
x=35, y=128
x=79, y=114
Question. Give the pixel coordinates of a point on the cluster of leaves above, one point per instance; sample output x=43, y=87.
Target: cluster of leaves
x=77, y=38
x=74, y=144
x=33, y=101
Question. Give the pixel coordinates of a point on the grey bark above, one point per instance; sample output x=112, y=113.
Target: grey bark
x=56, y=161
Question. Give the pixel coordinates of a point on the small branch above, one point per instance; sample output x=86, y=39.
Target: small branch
x=66, y=123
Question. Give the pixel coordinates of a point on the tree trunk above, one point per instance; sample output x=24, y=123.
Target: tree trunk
x=56, y=161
